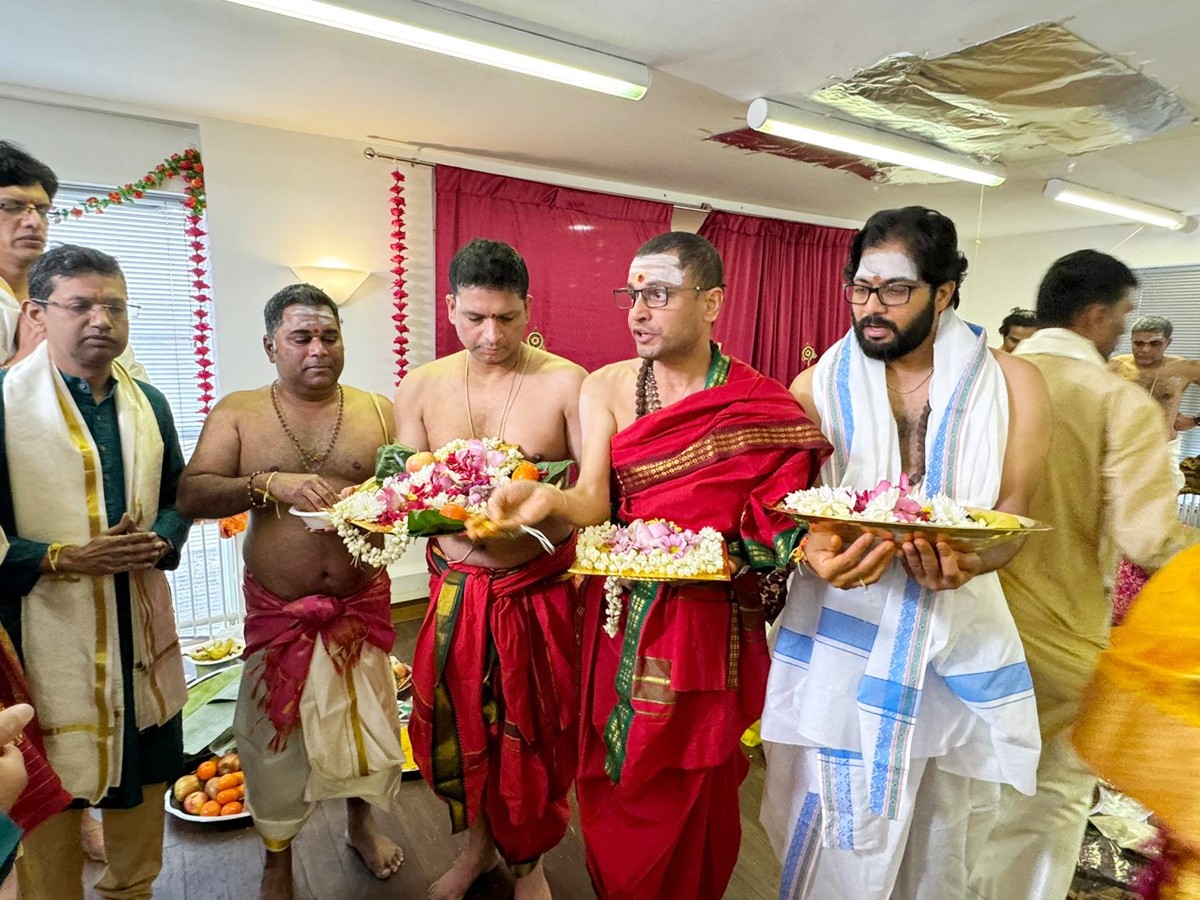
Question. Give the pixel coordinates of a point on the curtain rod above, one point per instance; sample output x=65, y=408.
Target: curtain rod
x=372, y=153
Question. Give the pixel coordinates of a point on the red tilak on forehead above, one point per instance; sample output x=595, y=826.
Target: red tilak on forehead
x=641, y=278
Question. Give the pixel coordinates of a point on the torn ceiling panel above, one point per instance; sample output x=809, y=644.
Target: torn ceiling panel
x=1035, y=91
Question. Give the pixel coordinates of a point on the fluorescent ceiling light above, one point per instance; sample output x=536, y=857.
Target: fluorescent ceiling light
x=466, y=37
x=1065, y=192
x=806, y=127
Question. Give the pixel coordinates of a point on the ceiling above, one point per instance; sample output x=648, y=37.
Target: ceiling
x=710, y=58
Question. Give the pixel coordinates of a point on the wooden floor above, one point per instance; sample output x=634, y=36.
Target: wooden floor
x=218, y=862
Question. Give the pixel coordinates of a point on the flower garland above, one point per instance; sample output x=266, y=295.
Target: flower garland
x=188, y=167
x=398, y=248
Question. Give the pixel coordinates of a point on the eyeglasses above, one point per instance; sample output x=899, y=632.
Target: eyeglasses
x=118, y=312
x=654, y=297
x=19, y=210
x=889, y=294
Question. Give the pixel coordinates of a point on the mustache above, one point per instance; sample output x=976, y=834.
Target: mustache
x=875, y=321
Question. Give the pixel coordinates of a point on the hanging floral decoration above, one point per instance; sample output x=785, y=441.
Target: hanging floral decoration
x=399, y=269
x=187, y=167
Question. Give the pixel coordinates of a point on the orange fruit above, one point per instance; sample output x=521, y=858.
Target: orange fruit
x=419, y=461
x=206, y=770
x=231, y=809
x=229, y=796
x=232, y=780
x=527, y=471
x=210, y=809
x=455, y=511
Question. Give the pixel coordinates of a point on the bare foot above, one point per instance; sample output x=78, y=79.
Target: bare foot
x=91, y=835
x=478, y=857
x=379, y=853
x=276, y=881
x=533, y=886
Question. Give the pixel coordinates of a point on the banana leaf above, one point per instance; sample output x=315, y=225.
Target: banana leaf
x=556, y=472
x=390, y=459
x=430, y=523
x=208, y=713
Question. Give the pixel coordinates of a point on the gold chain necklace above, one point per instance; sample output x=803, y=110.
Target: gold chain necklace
x=928, y=375
x=514, y=388
x=312, y=462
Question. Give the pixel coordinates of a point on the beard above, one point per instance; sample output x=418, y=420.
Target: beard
x=904, y=342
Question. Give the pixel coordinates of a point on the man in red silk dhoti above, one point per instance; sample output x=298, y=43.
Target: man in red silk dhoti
x=495, y=696
x=701, y=439
x=502, y=744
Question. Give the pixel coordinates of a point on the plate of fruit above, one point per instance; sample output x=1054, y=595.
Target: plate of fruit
x=216, y=651
x=214, y=792
x=402, y=674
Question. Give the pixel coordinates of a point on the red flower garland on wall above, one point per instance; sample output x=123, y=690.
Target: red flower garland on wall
x=188, y=167
x=398, y=248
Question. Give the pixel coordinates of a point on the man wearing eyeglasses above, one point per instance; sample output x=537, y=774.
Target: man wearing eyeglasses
x=89, y=466
x=27, y=189
x=673, y=673
x=899, y=699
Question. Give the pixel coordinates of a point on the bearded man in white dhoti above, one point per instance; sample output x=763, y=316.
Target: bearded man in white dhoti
x=899, y=700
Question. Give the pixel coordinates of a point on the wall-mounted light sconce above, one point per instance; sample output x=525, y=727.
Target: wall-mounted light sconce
x=1146, y=213
x=339, y=283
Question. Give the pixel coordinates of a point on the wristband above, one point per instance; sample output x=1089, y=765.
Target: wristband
x=255, y=502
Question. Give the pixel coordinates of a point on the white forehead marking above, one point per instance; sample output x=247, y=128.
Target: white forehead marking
x=886, y=265
x=657, y=268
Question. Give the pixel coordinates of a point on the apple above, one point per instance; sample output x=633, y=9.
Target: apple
x=211, y=787
x=193, y=803
x=188, y=784
x=230, y=762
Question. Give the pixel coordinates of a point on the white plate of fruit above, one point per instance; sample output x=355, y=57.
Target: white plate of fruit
x=214, y=792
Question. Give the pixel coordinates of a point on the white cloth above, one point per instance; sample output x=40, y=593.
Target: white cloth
x=72, y=654
x=1034, y=846
x=946, y=820
x=348, y=745
x=886, y=677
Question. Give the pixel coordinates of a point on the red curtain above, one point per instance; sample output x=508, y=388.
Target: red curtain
x=783, y=305
x=577, y=245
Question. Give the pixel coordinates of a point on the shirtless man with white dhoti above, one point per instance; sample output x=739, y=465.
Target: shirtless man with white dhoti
x=312, y=613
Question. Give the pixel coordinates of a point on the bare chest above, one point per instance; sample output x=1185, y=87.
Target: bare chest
x=532, y=418
x=342, y=452
x=911, y=412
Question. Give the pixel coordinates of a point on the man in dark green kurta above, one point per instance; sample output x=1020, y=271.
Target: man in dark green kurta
x=83, y=307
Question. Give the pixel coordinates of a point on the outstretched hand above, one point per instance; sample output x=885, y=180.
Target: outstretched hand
x=862, y=563
x=940, y=567
x=514, y=504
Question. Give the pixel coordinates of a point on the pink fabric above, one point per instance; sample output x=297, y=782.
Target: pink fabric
x=1131, y=579
x=577, y=245
x=288, y=629
x=783, y=302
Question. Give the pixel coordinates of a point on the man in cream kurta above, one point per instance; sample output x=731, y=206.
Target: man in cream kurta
x=1107, y=481
x=899, y=699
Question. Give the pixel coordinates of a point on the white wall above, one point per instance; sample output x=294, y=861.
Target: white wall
x=1008, y=270
x=276, y=199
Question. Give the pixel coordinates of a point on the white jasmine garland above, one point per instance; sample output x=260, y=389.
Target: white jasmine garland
x=612, y=605
x=703, y=555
